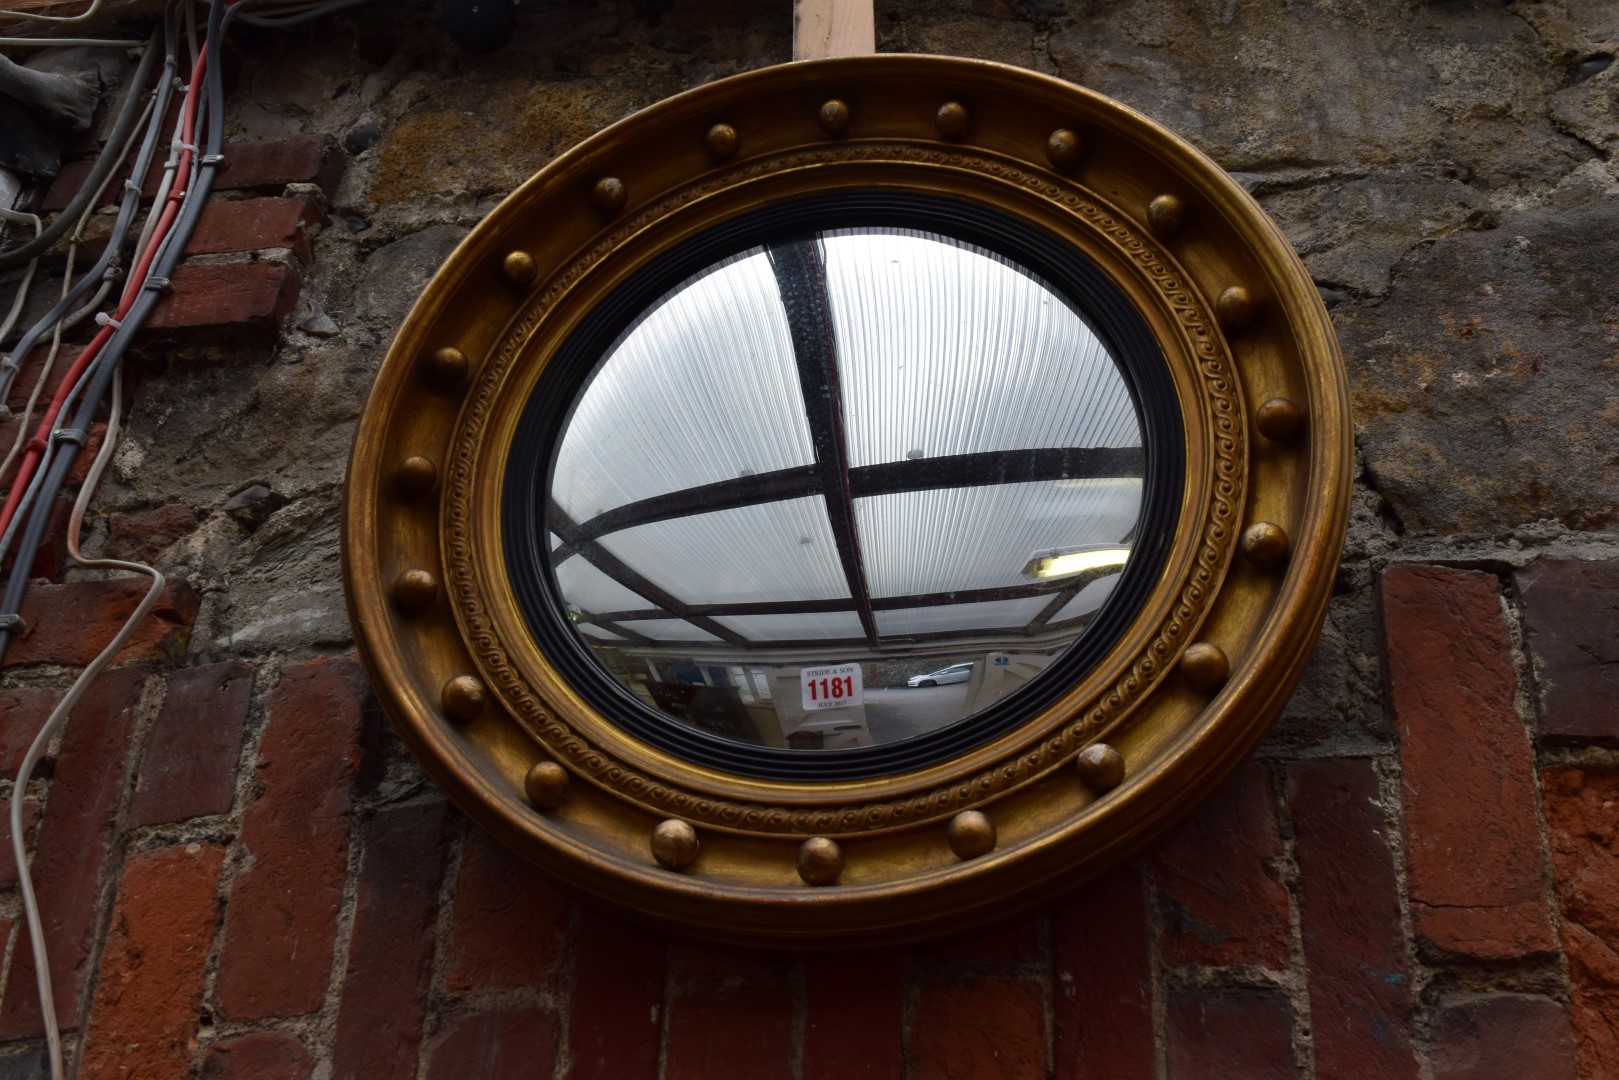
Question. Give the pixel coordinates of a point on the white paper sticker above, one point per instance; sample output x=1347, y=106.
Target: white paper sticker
x=831, y=687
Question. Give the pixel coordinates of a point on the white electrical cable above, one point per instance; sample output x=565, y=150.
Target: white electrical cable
x=58, y=20
x=42, y=741
x=28, y=275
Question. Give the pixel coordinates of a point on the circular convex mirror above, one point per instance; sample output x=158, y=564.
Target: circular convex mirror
x=843, y=489
x=849, y=501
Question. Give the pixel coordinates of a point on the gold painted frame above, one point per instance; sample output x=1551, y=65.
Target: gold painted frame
x=1183, y=697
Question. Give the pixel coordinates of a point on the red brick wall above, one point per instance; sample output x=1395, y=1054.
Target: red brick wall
x=243, y=877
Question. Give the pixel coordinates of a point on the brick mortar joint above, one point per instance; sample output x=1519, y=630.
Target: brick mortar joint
x=1390, y=772
x=266, y=677
x=1296, y=982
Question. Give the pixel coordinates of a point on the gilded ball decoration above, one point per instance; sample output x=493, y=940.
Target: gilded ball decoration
x=546, y=786
x=820, y=861
x=971, y=834
x=1100, y=767
x=463, y=698
x=1063, y=149
x=722, y=142
x=1265, y=545
x=834, y=117
x=519, y=267
x=447, y=367
x=1166, y=214
x=416, y=476
x=1205, y=666
x=1279, y=420
x=674, y=844
x=415, y=590
x=951, y=120
x=610, y=194
x=1236, y=308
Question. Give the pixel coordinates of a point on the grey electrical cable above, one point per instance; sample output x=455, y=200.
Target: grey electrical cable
x=72, y=319
x=126, y=214
x=36, y=483
x=101, y=371
x=59, y=43
x=126, y=118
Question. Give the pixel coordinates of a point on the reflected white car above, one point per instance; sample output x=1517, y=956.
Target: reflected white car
x=953, y=673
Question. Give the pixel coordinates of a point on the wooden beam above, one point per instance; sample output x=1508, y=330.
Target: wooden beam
x=823, y=28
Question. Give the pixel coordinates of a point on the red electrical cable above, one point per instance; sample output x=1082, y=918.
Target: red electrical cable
x=137, y=279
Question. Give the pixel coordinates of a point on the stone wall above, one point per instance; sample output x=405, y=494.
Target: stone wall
x=246, y=876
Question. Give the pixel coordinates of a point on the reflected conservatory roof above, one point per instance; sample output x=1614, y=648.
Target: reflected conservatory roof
x=861, y=437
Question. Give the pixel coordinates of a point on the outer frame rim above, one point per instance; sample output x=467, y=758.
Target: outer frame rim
x=1277, y=620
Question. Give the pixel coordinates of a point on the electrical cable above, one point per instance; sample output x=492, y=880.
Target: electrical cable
x=28, y=277
x=323, y=10
x=68, y=322
x=42, y=741
x=141, y=294
x=96, y=368
x=179, y=217
x=56, y=20
x=120, y=130
x=44, y=438
x=62, y=43
x=108, y=265
x=111, y=253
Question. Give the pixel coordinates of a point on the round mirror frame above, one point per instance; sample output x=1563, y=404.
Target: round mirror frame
x=1188, y=689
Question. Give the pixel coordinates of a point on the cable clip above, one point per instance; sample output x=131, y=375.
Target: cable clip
x=131, y=186
x=160, y=284
x=10, y=363
x=70, y=434
x=103, y=319
x=178, y=145
x=213, y=159
x=13, y=624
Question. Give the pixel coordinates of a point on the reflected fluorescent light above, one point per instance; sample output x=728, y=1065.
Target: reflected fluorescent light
x=1077, y=562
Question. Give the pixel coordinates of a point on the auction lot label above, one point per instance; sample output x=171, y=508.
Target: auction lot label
x=831, y=687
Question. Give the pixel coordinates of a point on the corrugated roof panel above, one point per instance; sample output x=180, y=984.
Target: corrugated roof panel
x=587, y=588
x=993, y=615
x=984, y=537
x=765, y=552
x=1087, y=600
x=808, y=625
x=670, y=630
x=948, y=349
x=705, y=388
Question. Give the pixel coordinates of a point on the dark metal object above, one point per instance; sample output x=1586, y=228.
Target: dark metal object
x=480, y=26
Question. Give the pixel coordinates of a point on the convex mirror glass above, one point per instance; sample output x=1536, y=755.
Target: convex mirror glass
x=844, y=489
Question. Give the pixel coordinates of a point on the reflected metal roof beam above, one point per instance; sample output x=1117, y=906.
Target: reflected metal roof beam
x=1058, y=602
x=627, y=576
x=994, y=467
x=891, y=477
x=801, y=277
x=1058, y=586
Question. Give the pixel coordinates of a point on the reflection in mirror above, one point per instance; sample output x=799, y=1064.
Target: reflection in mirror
x=845, y=490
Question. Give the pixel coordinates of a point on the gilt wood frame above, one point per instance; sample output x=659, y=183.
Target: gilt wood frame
x=1184, y=696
